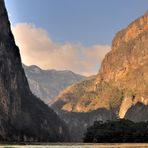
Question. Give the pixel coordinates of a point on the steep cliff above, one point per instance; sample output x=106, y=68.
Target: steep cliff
x=23, y=117
x=122, y=81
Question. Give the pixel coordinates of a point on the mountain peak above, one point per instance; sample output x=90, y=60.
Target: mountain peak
x=125, y=51
x=133, y=30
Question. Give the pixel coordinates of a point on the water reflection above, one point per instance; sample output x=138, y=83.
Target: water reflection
x=144, y=145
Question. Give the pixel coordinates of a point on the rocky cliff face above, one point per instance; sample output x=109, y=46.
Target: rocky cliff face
x=46, y=84
x=126, y=66
x=23, y=117
x=122, y=81
x=129, y=48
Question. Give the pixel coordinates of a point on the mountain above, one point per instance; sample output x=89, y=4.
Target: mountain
x=23, y=117
x=120, y=87
x=46, y=84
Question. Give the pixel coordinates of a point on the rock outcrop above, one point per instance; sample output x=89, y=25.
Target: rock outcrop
x=23, y=117
x=122, y=81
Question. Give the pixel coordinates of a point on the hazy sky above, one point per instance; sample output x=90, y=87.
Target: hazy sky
x=69, y=34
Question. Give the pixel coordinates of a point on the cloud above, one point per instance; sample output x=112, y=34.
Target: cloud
x=37, y=48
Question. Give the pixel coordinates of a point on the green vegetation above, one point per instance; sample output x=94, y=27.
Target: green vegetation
x=119, y=131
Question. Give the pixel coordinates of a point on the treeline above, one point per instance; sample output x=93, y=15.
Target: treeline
x=119, y=131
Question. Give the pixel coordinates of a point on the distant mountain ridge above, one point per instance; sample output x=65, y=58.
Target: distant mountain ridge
x=47, y=84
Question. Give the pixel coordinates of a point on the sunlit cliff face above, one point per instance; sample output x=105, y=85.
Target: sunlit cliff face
x=132, y=31
x=124, y=56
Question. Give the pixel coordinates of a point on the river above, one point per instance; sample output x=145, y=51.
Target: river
x=116, y=145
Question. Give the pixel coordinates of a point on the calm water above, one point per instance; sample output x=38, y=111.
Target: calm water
x=79, y=146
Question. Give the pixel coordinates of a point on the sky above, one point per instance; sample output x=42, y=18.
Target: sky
x=69, y=34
